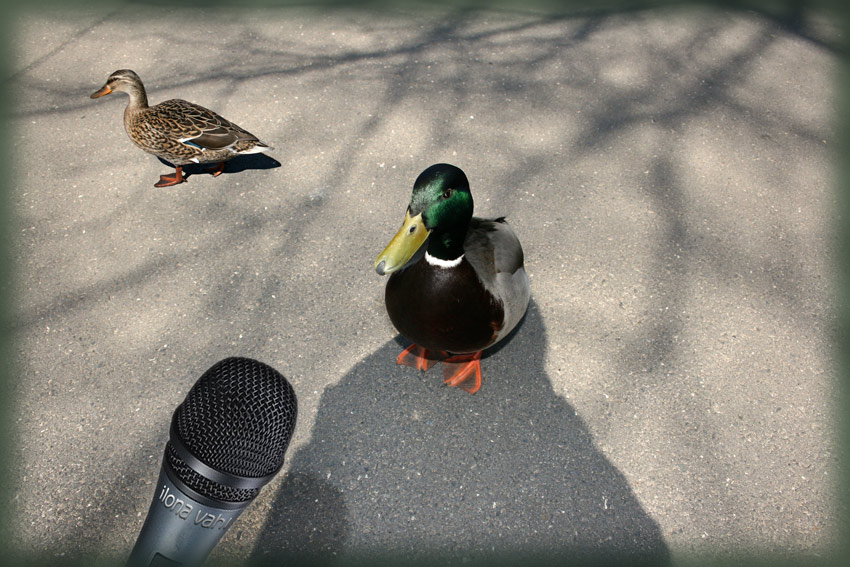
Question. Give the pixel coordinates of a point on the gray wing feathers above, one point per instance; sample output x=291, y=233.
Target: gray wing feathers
x=492, y=247
x=496, y=255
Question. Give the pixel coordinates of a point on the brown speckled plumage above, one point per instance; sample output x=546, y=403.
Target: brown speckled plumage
x=176, y=130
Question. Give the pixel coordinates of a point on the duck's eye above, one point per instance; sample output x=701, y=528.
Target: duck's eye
x=447, y=193
x=412, y=229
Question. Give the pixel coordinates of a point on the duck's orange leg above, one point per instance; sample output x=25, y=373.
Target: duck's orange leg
x=460, y=368
x=169, y=180
x=216, y=169
x=418, y=357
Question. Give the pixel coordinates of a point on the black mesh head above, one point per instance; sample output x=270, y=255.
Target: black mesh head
x=238, y=419
x=215, y=491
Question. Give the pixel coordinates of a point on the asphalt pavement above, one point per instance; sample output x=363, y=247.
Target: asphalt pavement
x=671, y=392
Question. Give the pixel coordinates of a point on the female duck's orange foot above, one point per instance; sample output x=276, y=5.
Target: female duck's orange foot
x=460, y=368
x=419, y=358
x=169, y=180
x=217, y=169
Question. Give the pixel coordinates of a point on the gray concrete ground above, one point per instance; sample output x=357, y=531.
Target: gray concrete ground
x=669, y=173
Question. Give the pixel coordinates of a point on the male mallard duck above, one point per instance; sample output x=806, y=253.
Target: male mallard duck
x=457, y=282
x=178, y=131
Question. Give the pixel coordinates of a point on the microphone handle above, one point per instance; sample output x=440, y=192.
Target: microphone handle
x=180, y=530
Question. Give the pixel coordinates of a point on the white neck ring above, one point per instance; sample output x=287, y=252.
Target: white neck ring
x=443, y=263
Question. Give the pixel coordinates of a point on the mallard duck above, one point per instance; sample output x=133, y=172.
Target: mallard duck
x=457, y=283
x=178, y=131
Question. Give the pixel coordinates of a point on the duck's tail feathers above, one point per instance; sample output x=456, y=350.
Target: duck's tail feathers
x=257, y=148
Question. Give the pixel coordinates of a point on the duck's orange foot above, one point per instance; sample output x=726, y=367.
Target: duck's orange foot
x=419, y=358
x=216, y=169
x=169, y=180
x=458, y=369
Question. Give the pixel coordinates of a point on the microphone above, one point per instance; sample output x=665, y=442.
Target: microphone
x=227, y=440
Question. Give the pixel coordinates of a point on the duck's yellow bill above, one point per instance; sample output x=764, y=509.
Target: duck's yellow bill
x=103, y=91
x=403, y=246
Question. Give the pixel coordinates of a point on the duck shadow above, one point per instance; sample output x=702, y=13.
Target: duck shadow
x=401, y=466
x=234, y=165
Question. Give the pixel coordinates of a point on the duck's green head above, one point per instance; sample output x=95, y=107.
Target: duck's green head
x=439, y=212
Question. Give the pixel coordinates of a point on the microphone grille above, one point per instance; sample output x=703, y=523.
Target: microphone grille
x=204, y=486
x=238, y=418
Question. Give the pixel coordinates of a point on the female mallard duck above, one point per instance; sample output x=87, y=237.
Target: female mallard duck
x=458, y=284
x=178, y=131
